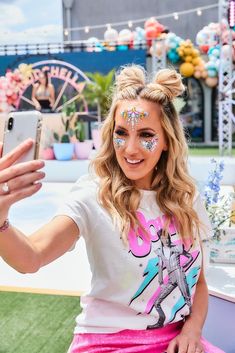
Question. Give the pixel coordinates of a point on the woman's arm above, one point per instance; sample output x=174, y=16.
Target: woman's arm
x=29, y=254
x=188, y=340
x=52, y=95
x=34, y=99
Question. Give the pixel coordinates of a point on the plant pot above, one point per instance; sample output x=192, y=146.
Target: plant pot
x=83, y=149
x=63, y=151
x=223, y=250
x=96, y=138
x=48, y=153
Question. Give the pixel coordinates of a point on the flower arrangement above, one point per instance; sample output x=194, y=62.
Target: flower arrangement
x=217, y=206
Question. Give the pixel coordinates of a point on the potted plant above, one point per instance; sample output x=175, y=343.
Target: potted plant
x=97, y=93
x=82, y=147
x=47, y=151
x=221, y=213
x=64, y=149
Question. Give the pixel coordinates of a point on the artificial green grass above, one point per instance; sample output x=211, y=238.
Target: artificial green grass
x=206, y=151
x=36, y=323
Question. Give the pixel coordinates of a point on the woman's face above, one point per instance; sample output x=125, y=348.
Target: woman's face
x=42, y=79
x=138, y=140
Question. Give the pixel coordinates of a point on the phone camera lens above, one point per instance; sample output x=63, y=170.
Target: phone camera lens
x=10, y=124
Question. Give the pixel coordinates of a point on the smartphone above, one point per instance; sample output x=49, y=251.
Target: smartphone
x=20, y=126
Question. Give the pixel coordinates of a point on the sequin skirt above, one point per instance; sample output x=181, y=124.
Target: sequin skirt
x=131, y=341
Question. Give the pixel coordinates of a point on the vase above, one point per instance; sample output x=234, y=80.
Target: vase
x=63, y=151
x=48, y=153
x=83, y=149
x=222, y=250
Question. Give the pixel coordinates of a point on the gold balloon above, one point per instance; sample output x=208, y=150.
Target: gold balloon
x=188, y=58
x=196, y=61
x=186, y=69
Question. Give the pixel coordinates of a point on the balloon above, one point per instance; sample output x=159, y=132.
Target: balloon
x=139, y=38
x=196, y=61
x=204, y=74
x=157, y=49
x=93, y=44
x=212, y=73
x=173, y=56
x=197, y=74
x=186, y=69
x=122, y=47
x=204, y=48
x=211, y=81
x=151, y=32
x=111, y=35
x=150, y=22
x=125, y=35
x=188, y=59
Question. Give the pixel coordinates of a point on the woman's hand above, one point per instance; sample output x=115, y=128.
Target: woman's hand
x=186, y=342
x=37, y=106
x=18, y=181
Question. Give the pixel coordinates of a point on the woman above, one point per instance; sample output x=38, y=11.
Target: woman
x=43, y=93
x=142, y=221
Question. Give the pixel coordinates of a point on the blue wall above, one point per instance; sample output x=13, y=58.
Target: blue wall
x=90, y=62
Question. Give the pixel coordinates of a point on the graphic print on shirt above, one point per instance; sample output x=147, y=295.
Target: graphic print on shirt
x=170, y=258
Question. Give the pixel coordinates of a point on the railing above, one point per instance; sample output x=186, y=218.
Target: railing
x=73, y=46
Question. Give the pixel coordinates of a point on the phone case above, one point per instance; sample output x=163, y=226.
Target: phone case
x=24, y=125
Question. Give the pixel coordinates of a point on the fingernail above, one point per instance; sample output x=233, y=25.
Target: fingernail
x=28, y=142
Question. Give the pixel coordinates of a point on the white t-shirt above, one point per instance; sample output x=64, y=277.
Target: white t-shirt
x=146, y=284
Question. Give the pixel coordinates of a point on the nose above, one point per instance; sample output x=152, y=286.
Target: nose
x=132, y=145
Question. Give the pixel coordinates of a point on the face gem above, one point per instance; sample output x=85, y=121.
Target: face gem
x=150, y=145
x=133, y=116
x=118, y=142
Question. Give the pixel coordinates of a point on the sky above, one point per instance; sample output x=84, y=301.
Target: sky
x=30, y=21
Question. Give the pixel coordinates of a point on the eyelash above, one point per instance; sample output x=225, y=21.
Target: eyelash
x=143, y=134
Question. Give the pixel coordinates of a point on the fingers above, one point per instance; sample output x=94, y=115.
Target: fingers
x=20, y=194
x=21, y=182
x=16, y=170
x=15, y=154
x=184, y=347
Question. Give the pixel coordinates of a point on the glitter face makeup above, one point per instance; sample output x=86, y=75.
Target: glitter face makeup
x=149, y=145
x=133, y=116
x=119, y=142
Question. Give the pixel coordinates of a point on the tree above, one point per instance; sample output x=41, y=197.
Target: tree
x=98, y=91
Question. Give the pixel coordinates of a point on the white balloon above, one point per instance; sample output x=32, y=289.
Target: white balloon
x=111, y=35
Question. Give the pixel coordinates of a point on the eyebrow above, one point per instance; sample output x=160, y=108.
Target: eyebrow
x=139, y=130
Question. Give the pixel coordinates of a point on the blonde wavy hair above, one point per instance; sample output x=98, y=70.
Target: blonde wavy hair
x=175, y=189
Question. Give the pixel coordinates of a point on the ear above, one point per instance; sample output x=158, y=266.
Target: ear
x=165, y=147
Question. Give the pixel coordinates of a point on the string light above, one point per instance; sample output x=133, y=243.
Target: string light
x=199, y=12
x=231, y=13
x=87, y=29
x=130, y=24
x=66, y=32
x=176, y=16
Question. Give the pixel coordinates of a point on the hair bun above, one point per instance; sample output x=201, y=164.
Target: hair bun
x=130, y=76
x=170, y=82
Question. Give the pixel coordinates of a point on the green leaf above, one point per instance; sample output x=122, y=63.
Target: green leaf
x=56, y=136
x=65, y=139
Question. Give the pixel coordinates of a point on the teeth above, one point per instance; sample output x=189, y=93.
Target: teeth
x=133, y=161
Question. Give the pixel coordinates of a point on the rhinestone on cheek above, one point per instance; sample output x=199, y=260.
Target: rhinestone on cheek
x=150, y=145
x=118, y=142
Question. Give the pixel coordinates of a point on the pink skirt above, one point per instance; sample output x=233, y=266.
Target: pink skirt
x=131, y=341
